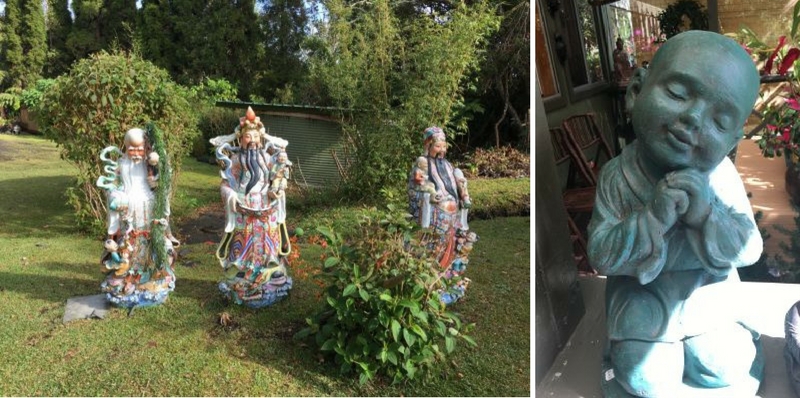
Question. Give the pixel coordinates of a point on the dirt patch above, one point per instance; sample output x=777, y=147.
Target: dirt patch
x=204, y=226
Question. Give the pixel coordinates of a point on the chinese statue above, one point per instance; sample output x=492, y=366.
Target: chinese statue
x=255, y=244
x=139, y=249
x=439, y=200
x=671, y=225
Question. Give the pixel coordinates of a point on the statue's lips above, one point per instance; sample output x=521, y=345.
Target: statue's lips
x=679, y=140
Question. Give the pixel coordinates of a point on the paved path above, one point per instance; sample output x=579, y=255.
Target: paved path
x=764, y=179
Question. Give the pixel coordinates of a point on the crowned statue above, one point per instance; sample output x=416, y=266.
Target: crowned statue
x=255, y=244
x=439, y=200
x=139, y=247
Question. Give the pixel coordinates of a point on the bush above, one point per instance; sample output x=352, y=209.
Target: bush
x=499, y=162
x=31, y=97
x=212, y=121
x=382, y=312
x=93, y=106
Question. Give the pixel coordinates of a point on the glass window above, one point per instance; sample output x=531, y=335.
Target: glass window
x=636, y=23
x=584, y=64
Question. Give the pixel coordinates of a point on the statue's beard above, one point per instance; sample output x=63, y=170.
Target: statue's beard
x=136, y=159
x=250, y=163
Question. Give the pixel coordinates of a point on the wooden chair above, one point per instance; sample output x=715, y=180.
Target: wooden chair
x=583, y=133
x=578, y=200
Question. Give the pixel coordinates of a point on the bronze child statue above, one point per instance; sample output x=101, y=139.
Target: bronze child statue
x=671, y=224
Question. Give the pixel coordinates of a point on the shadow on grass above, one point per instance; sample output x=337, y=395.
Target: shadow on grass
x=36, y=206
x=48, y=287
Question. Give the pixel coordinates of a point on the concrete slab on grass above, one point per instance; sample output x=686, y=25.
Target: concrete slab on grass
x=86, y=307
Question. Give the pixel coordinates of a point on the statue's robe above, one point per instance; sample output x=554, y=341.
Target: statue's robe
x=652, y=273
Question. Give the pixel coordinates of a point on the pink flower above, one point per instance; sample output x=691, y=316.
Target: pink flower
x=772, y=127
x=793, y=104
x=786, y=134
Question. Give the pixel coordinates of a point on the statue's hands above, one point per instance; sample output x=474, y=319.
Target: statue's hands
x=695, y=184
x=466, y=202
x=668, y=204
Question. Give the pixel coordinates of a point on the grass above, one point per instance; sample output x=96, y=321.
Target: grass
x=180, y=348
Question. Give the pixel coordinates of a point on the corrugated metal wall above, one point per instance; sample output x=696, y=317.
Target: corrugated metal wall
x=311, y=142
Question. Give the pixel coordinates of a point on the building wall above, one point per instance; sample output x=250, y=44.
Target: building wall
x=314, y=146
x=766, y=18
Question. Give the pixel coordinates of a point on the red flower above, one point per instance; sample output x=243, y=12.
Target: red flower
x=788, y=60
x=772, y=127
x=793, y=103
x=768, y=64
x=787, y=134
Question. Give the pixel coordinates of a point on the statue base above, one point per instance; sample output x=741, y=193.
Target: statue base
x=744, y=388
x=139, y=300
x=451, y=296
x=155, y=294
x=269, y=295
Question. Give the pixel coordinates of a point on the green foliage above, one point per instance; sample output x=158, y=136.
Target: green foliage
x=59, y=24
x=209, y=91
x=382, y=314
x=284, y=23
x=32, y=96
x=222, y=41
x=671, y=19
x=399, y=75
x=96, y=103
x=11, y=53
x=212, y=121
x=34, y=43
x=10, y=101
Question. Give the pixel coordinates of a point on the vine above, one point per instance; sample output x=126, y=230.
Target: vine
x=671, y=20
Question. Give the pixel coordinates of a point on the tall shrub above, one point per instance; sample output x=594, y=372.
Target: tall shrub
x=93, y=106
x=398, y=75
x=381, y=311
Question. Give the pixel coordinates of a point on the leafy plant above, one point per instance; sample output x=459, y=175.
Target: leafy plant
x=212, y=121
x=382, y=314
x=782, y=135
x=31, y=97
x=398, y=75
x=93, y=106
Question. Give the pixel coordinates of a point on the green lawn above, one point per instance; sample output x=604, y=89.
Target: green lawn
x=179, y=348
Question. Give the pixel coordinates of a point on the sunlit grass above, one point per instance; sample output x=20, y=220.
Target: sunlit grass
x=180, y=348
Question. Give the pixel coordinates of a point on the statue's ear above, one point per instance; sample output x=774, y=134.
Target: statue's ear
x=634, y=87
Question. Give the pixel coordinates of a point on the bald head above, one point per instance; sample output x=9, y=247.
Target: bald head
x=713, y=51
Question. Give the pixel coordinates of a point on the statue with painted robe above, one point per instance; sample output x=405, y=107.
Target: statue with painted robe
x=439, y=200
x=139, y=248
x=254, y=248
x=672, y=223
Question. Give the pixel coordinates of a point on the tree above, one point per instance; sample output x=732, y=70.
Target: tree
x=504, y=81
x=284, y=25
x=197, y=40
x=399, y=76
x=59, y=24
x=34, y=41
x=100, y=25
x=11, y=52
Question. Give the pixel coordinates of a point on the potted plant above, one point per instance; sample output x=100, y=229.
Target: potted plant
x=781, y=116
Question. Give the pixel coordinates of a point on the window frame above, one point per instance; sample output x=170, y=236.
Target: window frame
x=575, y=42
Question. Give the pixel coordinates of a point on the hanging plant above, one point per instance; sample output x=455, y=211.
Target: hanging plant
x=682, y=15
